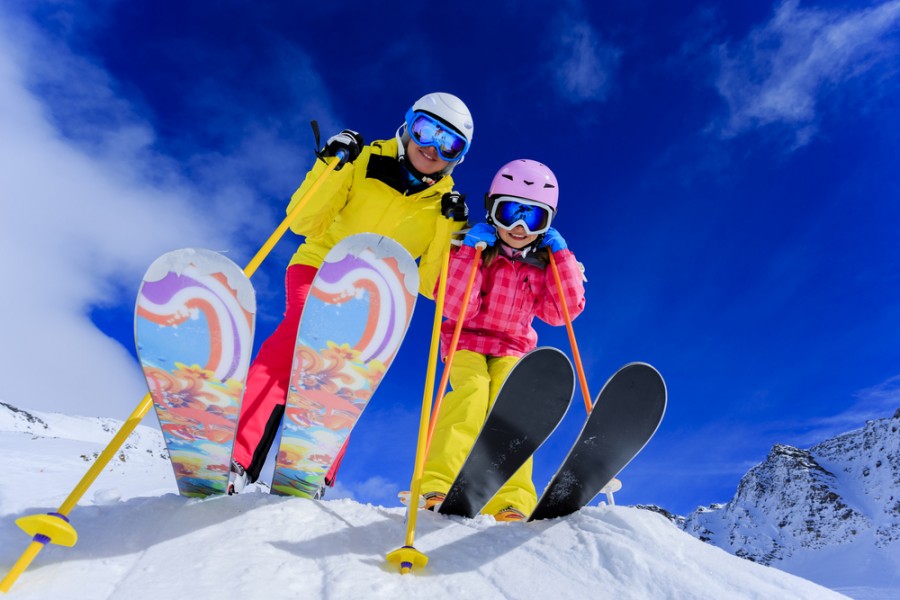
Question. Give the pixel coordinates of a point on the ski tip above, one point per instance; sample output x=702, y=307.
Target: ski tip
x=647, y=368
x=551, y=349
x=640, y=365
x=205, y=262
x=381, y=247
x=545, y=352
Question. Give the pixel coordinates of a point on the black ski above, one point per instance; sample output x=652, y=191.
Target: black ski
x=626, y=414
x=531, y=403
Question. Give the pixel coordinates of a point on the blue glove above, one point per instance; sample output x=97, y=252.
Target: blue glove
x=553, y=240
x=482, y=232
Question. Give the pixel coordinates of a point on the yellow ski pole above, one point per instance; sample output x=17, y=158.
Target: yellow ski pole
x=451, y=352
x=575, y=354
x=254, y=263
x=54, y=527
x=407, y=556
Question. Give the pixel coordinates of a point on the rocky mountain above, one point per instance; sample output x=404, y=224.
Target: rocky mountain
x=837, y=502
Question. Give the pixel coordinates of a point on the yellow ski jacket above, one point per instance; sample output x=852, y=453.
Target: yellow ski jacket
x=365, y=196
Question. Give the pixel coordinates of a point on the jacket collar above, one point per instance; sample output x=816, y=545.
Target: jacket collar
x=389, y=167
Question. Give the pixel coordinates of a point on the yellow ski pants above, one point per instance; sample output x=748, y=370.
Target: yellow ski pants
x=475, y=379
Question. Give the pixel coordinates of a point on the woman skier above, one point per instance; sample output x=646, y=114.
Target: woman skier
x=400, y=188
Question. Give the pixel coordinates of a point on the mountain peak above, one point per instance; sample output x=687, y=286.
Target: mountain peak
x=839, y=498
x=16, y=419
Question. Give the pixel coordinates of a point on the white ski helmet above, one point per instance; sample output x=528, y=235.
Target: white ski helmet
x=447, y=108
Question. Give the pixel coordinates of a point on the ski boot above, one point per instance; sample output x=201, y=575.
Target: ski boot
x=509, y=514
x=237, y=479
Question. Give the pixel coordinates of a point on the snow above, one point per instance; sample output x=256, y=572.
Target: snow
x=139, y=540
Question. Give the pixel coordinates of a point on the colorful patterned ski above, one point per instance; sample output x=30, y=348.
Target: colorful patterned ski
x=193, y=329
x=355, y=318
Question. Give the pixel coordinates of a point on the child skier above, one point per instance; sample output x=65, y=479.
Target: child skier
x=513, y=284
x=400, y=188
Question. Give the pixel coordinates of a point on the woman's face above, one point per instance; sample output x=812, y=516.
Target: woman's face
x=516, y=237
x=425, y=159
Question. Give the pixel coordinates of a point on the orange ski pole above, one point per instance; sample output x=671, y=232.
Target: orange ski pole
x=568, y=317
x=451, y=352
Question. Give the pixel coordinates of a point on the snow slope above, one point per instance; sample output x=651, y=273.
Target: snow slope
x=139, y=540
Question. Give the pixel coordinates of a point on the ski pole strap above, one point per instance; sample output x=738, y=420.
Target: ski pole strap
x=571, y=331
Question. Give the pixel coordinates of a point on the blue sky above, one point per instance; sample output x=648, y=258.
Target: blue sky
x=727, y=172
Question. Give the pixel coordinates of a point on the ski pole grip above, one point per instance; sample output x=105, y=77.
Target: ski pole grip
x=480, y=246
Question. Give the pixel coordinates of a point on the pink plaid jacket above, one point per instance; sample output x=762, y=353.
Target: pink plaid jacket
x=506, y=297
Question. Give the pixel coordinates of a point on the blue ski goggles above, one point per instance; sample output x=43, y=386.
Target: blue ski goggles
x=425, y=130
x=508, y=212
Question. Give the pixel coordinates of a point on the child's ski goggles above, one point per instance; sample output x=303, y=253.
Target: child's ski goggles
x=425, y=130
x=508, y=212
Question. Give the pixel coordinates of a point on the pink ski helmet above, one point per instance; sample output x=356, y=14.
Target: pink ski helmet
x=526, y=179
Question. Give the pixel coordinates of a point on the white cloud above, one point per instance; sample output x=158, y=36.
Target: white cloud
x=583, y=66
x=375, y=489
x=72, y=222
x=780, y=72
x=84, y=212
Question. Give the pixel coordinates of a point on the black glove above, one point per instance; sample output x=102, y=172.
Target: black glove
x=453, y=206
x=348, y=143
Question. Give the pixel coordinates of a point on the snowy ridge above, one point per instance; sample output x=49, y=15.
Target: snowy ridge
x=16, y=419
x=830, y=513
x=85, y=429
x=138, y=540
x=53, y=451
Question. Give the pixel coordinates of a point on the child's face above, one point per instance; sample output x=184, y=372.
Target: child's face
x=517, y=237
x=425, y=159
